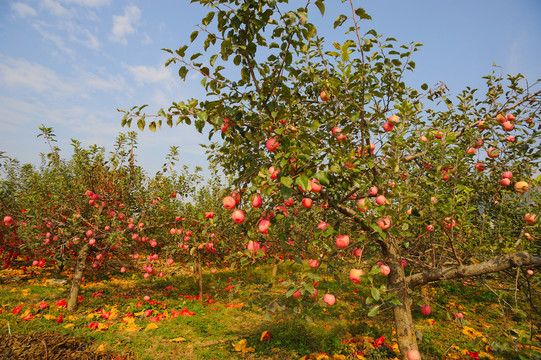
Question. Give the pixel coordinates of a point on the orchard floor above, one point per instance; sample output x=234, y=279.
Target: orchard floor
x=113, y=321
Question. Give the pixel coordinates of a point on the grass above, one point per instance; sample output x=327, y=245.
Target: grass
x=222, y=328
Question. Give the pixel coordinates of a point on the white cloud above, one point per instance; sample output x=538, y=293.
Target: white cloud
x=56, y=9
x=146, y=39
x=36, y=79
x=23, y=10
x=89, y=3
x=149, y=74
x=125, y=24
x=55, y=39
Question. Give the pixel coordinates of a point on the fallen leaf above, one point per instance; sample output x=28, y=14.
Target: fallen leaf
x=242, y=346
x=179, y=339
x=265, y=335
x=151, y=326
x=101, y=349
x=49, y=317
x=69, y=326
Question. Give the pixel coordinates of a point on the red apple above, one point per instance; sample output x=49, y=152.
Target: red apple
x=336, y=131
x=361, y=205
x=313, y=263
x=253, y=246
x=342, y=241
x=423, y=138
x=329, y=299
x=373, y=190
x=315, y=185
x=425, y=309
x=324, y=97
x=414, y=355
x=123, y=269
x=209, y=215
x=530, y=218
x=297, y=294
x=170, y=261
x=272, y=144
x=500, y=118
x=480, y=167
x=355, y=275
x=505, y=182
x=507, y=126
x=385, y=270
x=521, y=187
x=322, y=225
x=388, y=126
x=510, y=138
x=493, y=152
x=357, y=252
x=264, y=226
x=394, y=119
x=507, y=175
x=384, y=223
x=238, y=216
x=471, y=151
x=257, y=201
x=380, y=200
x=307, y=203
x=229, y=202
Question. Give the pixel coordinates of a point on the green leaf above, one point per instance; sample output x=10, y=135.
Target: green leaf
x=286, y=192
x=373, y=311
x=303, y=182
x=152, y=126
x=375, y=294
x=141, y=123
x=207, y=19
x=321, y=6
x=424, y=86
x=362, y=14
x=286, y=181
x=323, y=178
x=193, y=36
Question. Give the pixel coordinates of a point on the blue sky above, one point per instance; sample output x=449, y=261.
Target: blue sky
x=69, y=64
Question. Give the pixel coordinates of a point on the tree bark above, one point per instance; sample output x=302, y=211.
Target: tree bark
x=200, y=275
x=500, y=263
x=78, y=276
x=405, y=329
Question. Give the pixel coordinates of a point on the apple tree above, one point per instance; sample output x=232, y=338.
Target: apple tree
x=448, y=184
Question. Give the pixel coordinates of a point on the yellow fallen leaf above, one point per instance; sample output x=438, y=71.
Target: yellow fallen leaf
x=151, y=326
x=241, y=346
x=485, y=355
x=535, y=348
x=71, y=318
x=338, y=357
x=474, y=334
x=101, y=349
x=69, y=326
x=102, y=326
x=131, y=328
x=165, y=313
x=26, y=313
x=179, y=339
x=91, y=316
x=263, y=335
x=303, y=358
x=49, y=317
x=139, y=313
x=128, y=320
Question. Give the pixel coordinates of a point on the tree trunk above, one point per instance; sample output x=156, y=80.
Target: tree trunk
x=78, y=277
x=405, y=329
x=275, y=268
x=200, y=275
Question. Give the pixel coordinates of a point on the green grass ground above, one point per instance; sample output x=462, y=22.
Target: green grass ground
x=230, y=323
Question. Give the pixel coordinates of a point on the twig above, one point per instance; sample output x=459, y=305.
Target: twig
x=46, y=352
x=9, y=330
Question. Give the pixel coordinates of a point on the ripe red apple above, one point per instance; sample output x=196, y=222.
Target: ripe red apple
x=329, y=299
x=380, y=200
x=438, y=135
x=521, y=187
x=385, y=270
x=313, y=263
x=342, y=241
x=107, y=228
x=209, y=215
x=361, y=205
x=324, y=97
x=307, y=203
x=388, y=126
x=373, y=190
x=529, y=272
x=272, y=144
x=384, y=223
x=253, y=246
x=315, y=185
x=92, y=242
x=423, y=138
x=511, y=117
x=530, y=218
x=213, y=271
x=510, y=138
x=229, y=202
x=264, y=226
x=500, y=118
x=505, y=182
x=507, y=126
x=394, y=119
x=257, y=201
x=414, y=355
x=170, y=261
x=493, y=152
x=480, y=167
x=136, y=256
x=357, y=252
x=336, y=131
x=471, y=151
x=425, y=309
x=507, y=175
x=322, y=225
x=297, y=294
x=355, y=275
x=123, y=269
x=8, y=219
x=238, y=216
x=89, y=233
